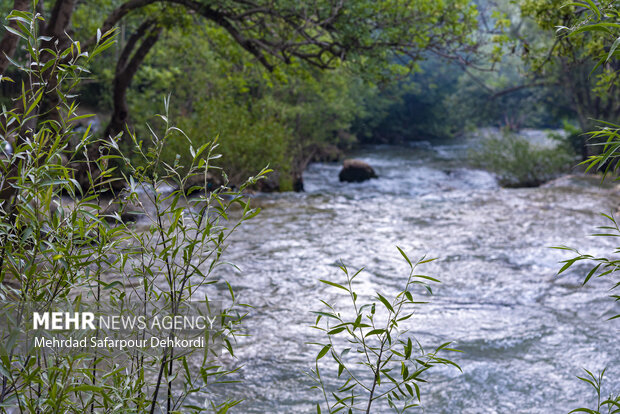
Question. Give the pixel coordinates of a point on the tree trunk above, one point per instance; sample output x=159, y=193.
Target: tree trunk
x=126, y=69
x=56, y=29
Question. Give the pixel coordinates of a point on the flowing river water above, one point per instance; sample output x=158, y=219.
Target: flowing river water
x=526, y=333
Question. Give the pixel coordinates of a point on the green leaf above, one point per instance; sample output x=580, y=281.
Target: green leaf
x=385, y=302
x=375, y=332
x=590, y=5
x=328, y=315
x=327, y=282
x=336, y=330
x=567, y=264
x=408, y=348
x=591, y=28
x=594, y=8
x=15, y=32
x=405, y=256
x=613, y=48
x=591, y=273
x=323, y=351
x=427, y=278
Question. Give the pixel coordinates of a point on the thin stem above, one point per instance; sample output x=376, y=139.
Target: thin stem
x=374, y=383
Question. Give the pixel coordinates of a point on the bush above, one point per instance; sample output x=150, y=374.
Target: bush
x=83, y=253
x=249, y=142
x=374, y=357
x=519, y=163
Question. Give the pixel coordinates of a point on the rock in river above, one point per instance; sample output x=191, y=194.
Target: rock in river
x=356, y=171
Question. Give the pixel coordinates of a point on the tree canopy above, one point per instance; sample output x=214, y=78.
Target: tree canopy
x=287, y=82
x=372, y=40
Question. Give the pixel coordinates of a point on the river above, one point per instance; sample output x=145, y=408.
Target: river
x=526, y=333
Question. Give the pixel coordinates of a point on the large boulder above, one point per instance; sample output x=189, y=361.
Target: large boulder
x=356, y=171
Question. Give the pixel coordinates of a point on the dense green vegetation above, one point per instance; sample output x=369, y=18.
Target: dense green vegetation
x=520, y=163
x=254, y=73
x=272, y=102
x=286, y=102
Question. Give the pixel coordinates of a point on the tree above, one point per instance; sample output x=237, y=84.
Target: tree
x=373, y=35
x=570, y=60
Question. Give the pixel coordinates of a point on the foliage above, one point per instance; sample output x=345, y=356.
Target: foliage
x=520, y=163
x=611, y=403
x=600, y=19
x=250, y=141
x=603, y=267
x=367, y=40
x=262, y=118
x=605, y=20
x=376, y=357
x=413, y=108
x=447, y=98
x=87, y=249
x=569, y=61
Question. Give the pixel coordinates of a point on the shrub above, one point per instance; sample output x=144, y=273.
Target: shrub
x=60, y=252
x=374, y=356
x=519, y=163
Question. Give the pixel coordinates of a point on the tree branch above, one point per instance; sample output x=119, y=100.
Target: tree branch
x=518, y=88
